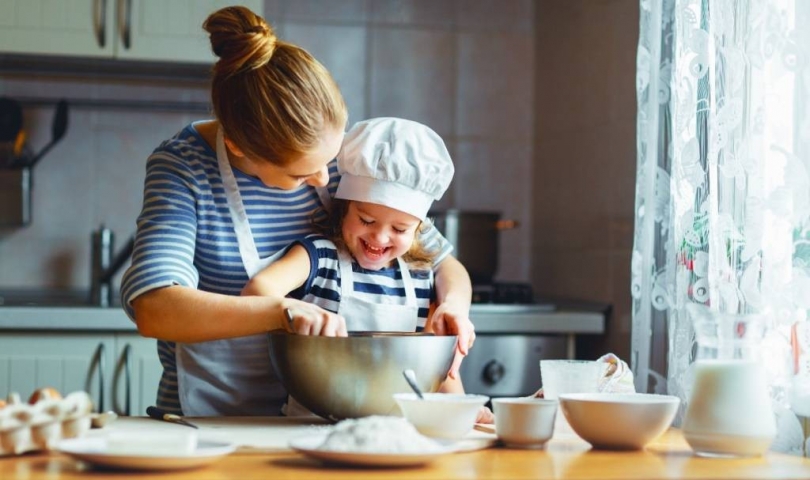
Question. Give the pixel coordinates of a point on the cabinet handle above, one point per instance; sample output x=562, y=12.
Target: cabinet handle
x=100, y=21
x=97, y=363
x=125, y=21
x=123, y=363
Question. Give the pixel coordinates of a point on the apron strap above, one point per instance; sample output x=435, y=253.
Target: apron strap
x=244, y=237
x=346, y=274
x=407, y=281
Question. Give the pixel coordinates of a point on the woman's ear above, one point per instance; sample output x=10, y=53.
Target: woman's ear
x=233, y=148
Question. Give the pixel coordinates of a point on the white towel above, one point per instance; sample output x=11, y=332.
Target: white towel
x=618, y=377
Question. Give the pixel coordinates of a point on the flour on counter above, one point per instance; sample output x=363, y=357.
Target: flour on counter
x=378, y=434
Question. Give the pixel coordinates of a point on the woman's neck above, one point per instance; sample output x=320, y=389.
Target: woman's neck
x=208, y=131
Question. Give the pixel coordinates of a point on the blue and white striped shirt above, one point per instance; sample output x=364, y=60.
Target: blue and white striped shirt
x=186, y=237
x=384, y=286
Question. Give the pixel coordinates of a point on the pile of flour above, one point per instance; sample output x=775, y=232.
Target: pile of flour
x=378, y=434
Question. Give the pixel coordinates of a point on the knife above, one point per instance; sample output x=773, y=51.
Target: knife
x=158, y=414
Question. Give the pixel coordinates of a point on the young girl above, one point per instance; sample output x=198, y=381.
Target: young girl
x=370, y=266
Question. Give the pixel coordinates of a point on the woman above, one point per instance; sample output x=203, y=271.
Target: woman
x=221, y=200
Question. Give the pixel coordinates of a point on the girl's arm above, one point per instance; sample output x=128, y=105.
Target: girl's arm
x=286, y=275
x=282, y=276
x=453, y=385
x=452, y=315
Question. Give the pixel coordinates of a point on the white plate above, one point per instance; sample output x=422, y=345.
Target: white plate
x=94, y=450
x=309, y=446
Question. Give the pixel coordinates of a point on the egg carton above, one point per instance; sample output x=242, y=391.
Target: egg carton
x=28, y=427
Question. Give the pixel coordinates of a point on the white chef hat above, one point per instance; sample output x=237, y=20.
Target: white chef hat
x=394, y=162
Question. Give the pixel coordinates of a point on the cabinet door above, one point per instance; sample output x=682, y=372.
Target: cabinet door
x=136, y=375
x=169, y=30
x=66, y=361
x=58, y=27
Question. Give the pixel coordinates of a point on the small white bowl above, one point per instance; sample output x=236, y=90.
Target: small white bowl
x=615, y=421
x=441, y=415
x=524, y=422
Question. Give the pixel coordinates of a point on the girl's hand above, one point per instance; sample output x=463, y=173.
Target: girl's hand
x=453, y=319
x=485, y=415
x=309, y=319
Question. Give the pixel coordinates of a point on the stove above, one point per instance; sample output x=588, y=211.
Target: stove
x=515, y=330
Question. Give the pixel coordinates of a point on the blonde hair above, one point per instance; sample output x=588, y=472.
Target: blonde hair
x=417, y=257
x=272, y=98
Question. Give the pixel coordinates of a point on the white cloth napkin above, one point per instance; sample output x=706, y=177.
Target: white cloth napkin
x=618, y=377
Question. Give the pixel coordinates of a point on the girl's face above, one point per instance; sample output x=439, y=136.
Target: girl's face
x=310, y=168
x=376, y=235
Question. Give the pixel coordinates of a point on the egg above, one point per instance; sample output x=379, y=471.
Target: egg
x=47, y=393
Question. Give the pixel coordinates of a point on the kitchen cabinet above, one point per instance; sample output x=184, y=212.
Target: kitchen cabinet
x=153, y=30
x=136, y=375
x=119, y=370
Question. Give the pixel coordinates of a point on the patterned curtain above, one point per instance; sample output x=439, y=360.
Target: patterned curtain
x=723, y=188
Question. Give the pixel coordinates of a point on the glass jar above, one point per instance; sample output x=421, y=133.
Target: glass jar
x=729, y=411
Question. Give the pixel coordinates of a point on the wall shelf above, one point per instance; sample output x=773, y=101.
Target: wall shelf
x=82, y=67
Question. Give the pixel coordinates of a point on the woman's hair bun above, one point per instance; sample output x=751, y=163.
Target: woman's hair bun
x=241, y=39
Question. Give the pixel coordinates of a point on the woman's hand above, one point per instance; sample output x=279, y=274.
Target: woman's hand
x=309, y=319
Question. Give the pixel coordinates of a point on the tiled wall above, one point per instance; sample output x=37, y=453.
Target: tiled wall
x=464, y=67
x=585, y=158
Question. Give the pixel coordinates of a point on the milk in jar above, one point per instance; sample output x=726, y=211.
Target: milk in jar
x=729, y=412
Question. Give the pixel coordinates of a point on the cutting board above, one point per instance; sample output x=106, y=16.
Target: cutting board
x=264, y=434
x=260, y=434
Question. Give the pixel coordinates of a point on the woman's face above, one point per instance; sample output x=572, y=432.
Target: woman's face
x=376, y=235
x=310, y=168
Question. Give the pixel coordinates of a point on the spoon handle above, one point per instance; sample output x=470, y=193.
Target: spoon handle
x=410, y=377
x=290, y=317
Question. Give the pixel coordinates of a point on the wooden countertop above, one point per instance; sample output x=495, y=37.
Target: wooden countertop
x=565, y=457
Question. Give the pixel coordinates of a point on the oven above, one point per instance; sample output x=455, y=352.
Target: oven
x=514, y=332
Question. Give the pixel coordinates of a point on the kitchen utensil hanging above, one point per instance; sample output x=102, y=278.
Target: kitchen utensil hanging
x=14, y=149
x=17, y=160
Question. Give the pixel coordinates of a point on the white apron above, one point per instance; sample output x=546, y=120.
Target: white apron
x=233, y=376
x=362, y=315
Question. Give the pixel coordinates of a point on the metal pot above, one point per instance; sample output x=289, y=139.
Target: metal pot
x=474, y=234
x=356, y=376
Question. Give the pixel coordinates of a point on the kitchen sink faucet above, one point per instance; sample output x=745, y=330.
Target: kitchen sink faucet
x=104, y=265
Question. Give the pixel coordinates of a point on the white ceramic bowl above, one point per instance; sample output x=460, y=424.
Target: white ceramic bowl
x=524, y=422
x=441, y=415
x=616, y=421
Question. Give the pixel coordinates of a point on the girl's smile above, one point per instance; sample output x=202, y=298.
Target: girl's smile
x=376, y=235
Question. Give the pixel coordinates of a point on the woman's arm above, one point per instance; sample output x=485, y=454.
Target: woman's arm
x=183, y=314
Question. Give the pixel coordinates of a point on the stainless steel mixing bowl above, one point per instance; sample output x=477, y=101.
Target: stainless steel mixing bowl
x=356, y=376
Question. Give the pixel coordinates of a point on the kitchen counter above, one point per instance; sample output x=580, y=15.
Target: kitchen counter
x=77, y=318
x=487, y=318
x=565, y=457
